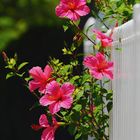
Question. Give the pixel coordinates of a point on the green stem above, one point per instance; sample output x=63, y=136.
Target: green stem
x=102, y=21
x=84, y=34
x=59, y=116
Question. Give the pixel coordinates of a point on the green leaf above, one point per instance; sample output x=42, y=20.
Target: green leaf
x=79, y=94
x=86, y=78
x=78, y=135
x=63, y=113
x=65, y=70
x=103, y=90
x=88, y=1
x=109, y=106
x=20, y=75
x=77, y=107
x=97, y=46
x=65, y=27
x=22, y=65
x=109, y=96
x=118, y=49
x=28, y=78
x=9, y=75
x=12, y=62
x=73, y=79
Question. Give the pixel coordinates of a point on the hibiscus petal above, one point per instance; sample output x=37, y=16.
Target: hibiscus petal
x=72, y=15
x=48, y=134
x=43, y=121
x=108, y=74
x=106, y=43
x=99, y=34
x=100, y=57
x=42, y=88
x=55, y=123
x=54, y=108
x=96, y=74
x=33, y=85
x=45, y=100
x=53, y=88
x=110, y=65
x=81, y=2
x=67, y=89
x=48, y=71
x=83, y=10
x=61, y=10
x=90, y=61
x=36, y=73
x=66, y=102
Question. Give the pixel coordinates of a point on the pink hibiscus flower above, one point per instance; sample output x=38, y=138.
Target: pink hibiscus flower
x=49, y=130
x=106, y=41
x=72, y=9
x=40, y=78
x=57, y=96
x=98, y=66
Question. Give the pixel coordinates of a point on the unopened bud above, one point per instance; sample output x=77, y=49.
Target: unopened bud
x=4, y=55
x=78, y=37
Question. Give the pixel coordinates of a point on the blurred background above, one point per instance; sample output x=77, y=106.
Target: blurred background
x=31, y=29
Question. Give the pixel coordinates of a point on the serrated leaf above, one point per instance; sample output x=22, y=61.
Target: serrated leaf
x=22, y=65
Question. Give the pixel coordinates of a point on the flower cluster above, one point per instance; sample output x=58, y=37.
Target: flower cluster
x=68, y=96
x=58, y=96
x=53, y=95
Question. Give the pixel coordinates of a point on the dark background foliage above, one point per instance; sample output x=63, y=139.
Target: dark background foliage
x=35, y=46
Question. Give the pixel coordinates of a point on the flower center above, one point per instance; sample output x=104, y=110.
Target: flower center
x=57, y=97
x=71, y=5
x=102, y=66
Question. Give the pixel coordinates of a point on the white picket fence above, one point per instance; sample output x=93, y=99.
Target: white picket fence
x=125, y=118
x=126, y=85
